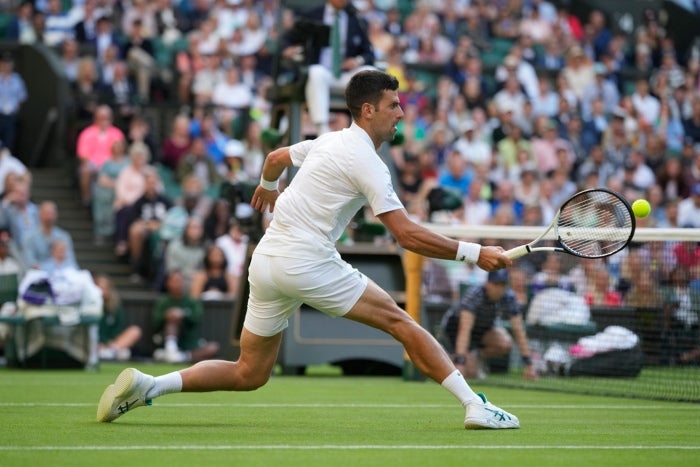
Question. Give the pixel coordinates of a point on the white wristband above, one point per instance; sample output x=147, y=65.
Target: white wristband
x=268, y=185
x=468, y=252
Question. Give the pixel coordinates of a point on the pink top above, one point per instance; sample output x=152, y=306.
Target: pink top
x=95, y=145
x=129, y=186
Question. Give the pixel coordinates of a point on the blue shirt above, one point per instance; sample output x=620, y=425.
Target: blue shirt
x=20, y=222
x=36, y=247
x=12, y=93
x=461, y=185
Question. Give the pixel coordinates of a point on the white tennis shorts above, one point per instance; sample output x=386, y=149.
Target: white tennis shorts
x=278, y=287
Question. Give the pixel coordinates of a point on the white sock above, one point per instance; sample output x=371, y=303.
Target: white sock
x=457, y=385
x=166, y=384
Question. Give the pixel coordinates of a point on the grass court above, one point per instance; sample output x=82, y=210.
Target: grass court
x=48, y=418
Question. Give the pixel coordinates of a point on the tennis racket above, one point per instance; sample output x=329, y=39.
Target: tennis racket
x=591, y=224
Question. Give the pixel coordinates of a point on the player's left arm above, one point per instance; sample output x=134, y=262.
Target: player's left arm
x=275, y=163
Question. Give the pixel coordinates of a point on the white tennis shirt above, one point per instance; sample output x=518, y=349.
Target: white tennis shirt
x=339, y=172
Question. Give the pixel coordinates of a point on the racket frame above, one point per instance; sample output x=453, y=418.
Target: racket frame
x=522, y=250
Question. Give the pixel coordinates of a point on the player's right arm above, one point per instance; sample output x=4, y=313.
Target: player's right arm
x=418, y=239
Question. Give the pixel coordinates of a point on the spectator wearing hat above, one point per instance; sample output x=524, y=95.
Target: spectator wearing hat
x=13, y=93
x=234, y=162
x=578, y=71
x=615, y=142
x=473, y=331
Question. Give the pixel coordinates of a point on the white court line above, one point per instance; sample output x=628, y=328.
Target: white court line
x=670, y=406
x=339, y=447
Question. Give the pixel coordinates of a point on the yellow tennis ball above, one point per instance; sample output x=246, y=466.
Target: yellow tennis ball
x=641, y=208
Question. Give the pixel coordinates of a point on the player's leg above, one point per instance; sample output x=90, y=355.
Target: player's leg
x=267, y=315
x=377, y=309
x=133, y=388
x=249, y=372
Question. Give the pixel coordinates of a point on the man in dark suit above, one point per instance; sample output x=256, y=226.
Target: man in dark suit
x=101, y=37
x=331, y=67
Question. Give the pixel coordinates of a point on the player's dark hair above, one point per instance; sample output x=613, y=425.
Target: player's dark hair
x=367, y=87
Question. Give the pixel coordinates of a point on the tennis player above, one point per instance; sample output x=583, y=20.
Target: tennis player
x=296, y=262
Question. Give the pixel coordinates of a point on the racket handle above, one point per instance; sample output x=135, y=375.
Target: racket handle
x=517, y=252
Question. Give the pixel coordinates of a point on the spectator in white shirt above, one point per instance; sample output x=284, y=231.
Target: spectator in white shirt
x=59, y=24
x=477, y=211
x=646, y=105
x=511, y=97
x=640, y=173
x=472, y=149
x=689, y=209
x=235, y=246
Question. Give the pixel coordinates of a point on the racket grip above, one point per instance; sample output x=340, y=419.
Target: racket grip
x=517, y=252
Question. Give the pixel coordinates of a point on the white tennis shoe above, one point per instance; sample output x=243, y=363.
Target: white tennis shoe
x=488, y=416
x=128, y=392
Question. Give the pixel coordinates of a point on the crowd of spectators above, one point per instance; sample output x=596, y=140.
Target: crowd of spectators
x=515, y=104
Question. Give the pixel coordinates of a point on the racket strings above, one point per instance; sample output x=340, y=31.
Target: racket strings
x=595, y=224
